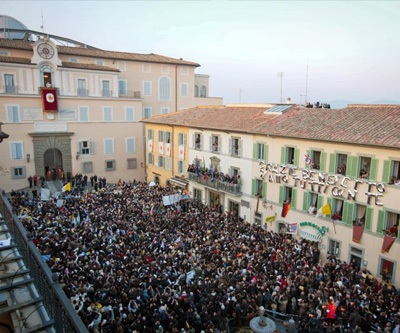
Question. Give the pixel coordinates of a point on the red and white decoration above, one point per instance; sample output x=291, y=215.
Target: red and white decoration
x=150, y=146
x=168, y=149
x=49, y=99
x=182, y=152
x=161, y=148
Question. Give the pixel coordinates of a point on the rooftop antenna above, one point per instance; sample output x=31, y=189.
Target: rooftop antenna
x=280, y=75
x=42, y=26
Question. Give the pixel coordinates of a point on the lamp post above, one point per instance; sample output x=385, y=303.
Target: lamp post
x=2, y=134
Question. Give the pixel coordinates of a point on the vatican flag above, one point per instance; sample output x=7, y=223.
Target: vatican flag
x=66, y=187
x=324, y=210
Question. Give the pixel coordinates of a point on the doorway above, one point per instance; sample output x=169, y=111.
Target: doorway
x=234, y=209
x=356, y=258
x=215, y=201
x=52, y=159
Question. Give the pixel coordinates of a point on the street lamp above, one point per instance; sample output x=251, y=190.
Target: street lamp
x=2, y=134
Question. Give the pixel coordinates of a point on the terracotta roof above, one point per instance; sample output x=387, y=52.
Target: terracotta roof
x=371, y=125
x=89, y=66
x=97, y=53
x=15, y=60
x=228, y=118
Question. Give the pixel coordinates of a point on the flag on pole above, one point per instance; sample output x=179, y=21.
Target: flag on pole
x=285, y=208
x=324, y=210
x=308, y=160
x=204, y=165
x=212, y=173
x=197, y=168
x=66, y=187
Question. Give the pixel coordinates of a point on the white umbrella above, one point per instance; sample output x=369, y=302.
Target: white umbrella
x=152, y=184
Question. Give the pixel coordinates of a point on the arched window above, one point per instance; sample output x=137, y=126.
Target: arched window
x=164, y=89
x=46, y=72
x=196, y=91
x=203, y=92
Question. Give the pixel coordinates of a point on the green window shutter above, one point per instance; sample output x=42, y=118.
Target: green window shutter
x=264, y=190
x=381, y=222
x=353, y=168
x=373, y=170
x=255, y=151
x=283, y=155
x=348, y=213
x=330, y=204
x=306, y=201
x=294, y=198
x=368, y=218
x=387, y=171
x=266, y=152
x=296, y=156
x=320, y=202
x=332, y=163
x=254, y=187
x=281, y=194
x=322, y=162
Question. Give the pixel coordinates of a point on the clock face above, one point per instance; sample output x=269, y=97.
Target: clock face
x=46, y=51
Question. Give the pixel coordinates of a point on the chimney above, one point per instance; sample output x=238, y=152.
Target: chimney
x=288, y=100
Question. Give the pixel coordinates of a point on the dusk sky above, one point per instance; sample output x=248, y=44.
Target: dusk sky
x=351, y=48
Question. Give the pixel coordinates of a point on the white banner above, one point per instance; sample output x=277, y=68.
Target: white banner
x=168, y=149
x=161, y=148
x=150, y=146
x=171, y=199
x=45, y=194
x=182, y=152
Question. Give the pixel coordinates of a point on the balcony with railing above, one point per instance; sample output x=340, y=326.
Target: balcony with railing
x=215, y=183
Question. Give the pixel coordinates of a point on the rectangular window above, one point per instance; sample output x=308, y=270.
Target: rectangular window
x=395, y=174
x=122, y=87
x=73, y=60
x=198, y=141
x=164, y=90
x=180, y=166
x=82, y=91
x=146, y=88
x=168, y=163
x=16, y=150
x=132, y=163
x=341, y=164
x=87, y=167
x=110, y=165
x=215, y=145
x=197, y=194
x=161, y=161
x=150, y=158
x=86, y=147
x=13, y=114
x=261, y=151
x=334, y=248
x=160, y=136
x=168, y=137
x=184, y=89
x=105, y=88
x=150, y=134
x=257, y=219
x=392, y=224
x=146, y=68
x=337, y=209
x=108, y=146
x=316, y=159
x=360, y=215
x=9, y=84
x=107, y=113
x=83, y=113
x=289, y=155
x=287, y=194
x=100, y=62
x=235, y=147
x=129, y=113
x=147, y=112
x=365, y=167
x=131, y=145
x=259, y=188
x=181, y=139
x=387, y=269
x=18, y=172
x=313, y=203
x=164, y=110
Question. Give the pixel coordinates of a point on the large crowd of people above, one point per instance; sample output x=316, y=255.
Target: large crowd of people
x=130, y=264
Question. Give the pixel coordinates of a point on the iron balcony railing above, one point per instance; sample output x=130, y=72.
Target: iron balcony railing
x=215, y=183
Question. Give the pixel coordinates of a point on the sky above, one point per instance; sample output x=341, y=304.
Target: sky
x=334, y=52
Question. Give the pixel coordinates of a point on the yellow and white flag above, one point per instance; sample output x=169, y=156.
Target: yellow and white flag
x=324, y=210
x=66, y=187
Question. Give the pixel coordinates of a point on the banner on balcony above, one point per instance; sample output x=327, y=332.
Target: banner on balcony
x=387, y=243
x=49, y=99
x=161, y=148
x=182, y=152
x=168, y=149
x=357, y=233
x=150, y=146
